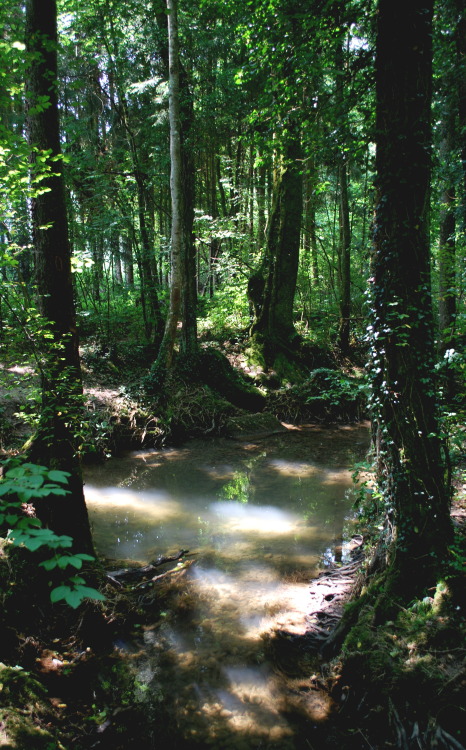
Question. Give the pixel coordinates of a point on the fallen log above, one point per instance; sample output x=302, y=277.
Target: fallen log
x=130, y=575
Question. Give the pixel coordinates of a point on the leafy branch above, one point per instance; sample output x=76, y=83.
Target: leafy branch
x=27, y=482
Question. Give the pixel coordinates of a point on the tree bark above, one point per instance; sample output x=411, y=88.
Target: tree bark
x=344, y=259
x=187, y=312
x=411, y=470
x=447, y=245
x=274, y=318
x=54, y=443
x=165, y=356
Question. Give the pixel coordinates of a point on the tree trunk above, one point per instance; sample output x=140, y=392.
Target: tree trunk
x=187, y=310
x=411, y=471
x=344, y=259
x=446, y=256
x=274, y=307
x=344, y=243
x=165, y=356
x=54, y=443
x=460, y=44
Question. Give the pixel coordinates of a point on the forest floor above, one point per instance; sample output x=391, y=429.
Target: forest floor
x=63, y=684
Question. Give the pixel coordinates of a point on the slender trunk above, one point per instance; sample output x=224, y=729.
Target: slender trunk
x=344, y=260
x=128, y=260
x=447, y=261
x=187, y=260
x=165, y=356
x=460, y=40
x=260, y=193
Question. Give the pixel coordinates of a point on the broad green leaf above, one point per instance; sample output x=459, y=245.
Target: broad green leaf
x=60, y=592
x=90, y=593
x=58, y=476
x=74, y=598
x=49, y=564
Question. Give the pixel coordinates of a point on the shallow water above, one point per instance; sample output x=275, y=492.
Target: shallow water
x=260, y=518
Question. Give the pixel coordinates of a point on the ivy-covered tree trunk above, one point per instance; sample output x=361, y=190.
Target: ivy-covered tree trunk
x=411, y=469
x=54, y=443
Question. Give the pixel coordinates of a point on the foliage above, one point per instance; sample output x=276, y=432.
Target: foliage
x=326, y=395
x=20, y=486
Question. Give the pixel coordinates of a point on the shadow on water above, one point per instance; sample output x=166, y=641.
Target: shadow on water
x=258, y=516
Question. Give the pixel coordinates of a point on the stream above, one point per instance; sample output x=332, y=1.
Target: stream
x=260, y=518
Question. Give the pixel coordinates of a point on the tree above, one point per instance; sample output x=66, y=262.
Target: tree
x=183, y=290
x=274, y=320
x=54, y=443
x=165, y=356
x=411, y=466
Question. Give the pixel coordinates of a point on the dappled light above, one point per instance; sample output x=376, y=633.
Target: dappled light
x=258, y=520
x=290, y=469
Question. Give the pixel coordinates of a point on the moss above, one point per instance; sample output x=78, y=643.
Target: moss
x=255, y=353
x=23, y=708
x=216, y=371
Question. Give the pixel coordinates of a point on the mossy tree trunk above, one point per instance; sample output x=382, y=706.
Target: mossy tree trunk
x=272, y=290
x=54, y=443
x=411, y=470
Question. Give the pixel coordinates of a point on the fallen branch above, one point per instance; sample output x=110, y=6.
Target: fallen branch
x=179, y=568
x=135, y=574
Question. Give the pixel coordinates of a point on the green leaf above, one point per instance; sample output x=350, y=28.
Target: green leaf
x=32, y=543
x=49, y=564
x=90, y=593
x=35, y=481
x=74, y=597
x=77, y=579
x=58, y=476
x=16, y=473
x=58, y=593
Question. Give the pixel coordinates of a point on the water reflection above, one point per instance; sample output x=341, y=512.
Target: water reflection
x=258, y=517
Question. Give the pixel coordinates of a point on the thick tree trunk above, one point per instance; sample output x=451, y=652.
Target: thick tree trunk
x=54, y=443
x=274, y=320
x=411, y=471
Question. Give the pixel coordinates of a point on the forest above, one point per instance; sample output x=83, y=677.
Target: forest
x=222, y=220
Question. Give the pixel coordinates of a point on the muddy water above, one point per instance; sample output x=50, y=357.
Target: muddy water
x=260, y=518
